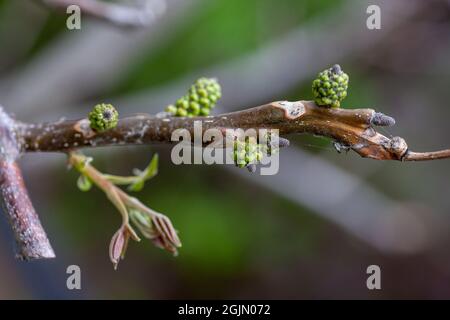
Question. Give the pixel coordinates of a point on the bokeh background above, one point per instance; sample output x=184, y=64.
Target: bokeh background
x=308, y=232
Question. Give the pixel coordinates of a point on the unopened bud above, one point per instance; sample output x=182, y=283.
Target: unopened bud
x=118, y=245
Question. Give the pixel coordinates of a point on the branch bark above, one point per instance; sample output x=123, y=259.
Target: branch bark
x=349, y=127
x=32, y=242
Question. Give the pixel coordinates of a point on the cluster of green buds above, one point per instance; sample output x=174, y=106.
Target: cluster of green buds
x=330, y=87
x=250, y=152
x=103, y=117
x=247, y=152
x=199, y=101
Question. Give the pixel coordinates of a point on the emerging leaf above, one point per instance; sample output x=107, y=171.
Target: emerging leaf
x=141, y=176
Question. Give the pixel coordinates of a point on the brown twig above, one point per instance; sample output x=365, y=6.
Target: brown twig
x=423, y=156
x=349, y=127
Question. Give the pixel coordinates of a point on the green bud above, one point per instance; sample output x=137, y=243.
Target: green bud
x=200, y=99
x=249, y=158
x=259, y=156
x=213, y=98
x=171, y=109
x=248, y=152
x=241, y=163
x=181, y=112
x=103, y=117
x=204, y=102
x=330, y=87
x=193, y=97
x=182, y=103
x=326, y=101
x=194, y=108
x=204, y=112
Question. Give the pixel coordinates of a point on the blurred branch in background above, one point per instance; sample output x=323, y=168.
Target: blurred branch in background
x=141, y=14
x=394, y=55
x=71, y=77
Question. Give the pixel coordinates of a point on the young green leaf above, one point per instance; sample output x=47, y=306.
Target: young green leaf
x=149, y=172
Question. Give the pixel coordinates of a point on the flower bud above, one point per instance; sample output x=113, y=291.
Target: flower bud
x=330, y=87
x=199, y=100
x=118, y=245
x=103, y=117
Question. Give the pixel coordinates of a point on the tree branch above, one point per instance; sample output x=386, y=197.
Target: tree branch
x=348, y=127
x=31, y=239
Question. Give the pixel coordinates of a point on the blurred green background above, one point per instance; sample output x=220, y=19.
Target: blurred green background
x=308, y=232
